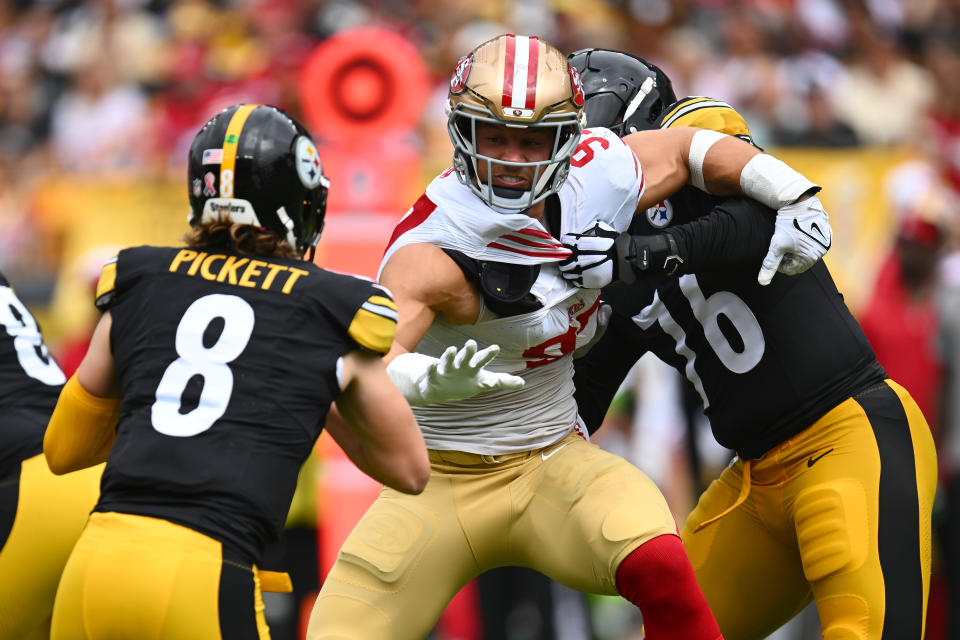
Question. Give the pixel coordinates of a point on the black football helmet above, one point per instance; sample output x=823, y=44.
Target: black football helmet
x=623, y=93
x=257, y=165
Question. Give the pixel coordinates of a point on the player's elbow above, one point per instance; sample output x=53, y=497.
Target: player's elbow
x=58, y=460
x=414, y=475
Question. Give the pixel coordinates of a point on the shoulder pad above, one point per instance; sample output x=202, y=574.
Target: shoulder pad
x=107, y=285
x=374, y=323
x=706, y=113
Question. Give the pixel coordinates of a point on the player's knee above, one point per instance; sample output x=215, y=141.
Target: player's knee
x=386, y=544
x=844, y=617
x=832, y=528
x=654, y=564
x=340, y=617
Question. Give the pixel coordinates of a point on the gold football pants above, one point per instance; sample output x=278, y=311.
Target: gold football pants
x=840, y=513
x=147, y=578
x=48, y=512
x=571, y=511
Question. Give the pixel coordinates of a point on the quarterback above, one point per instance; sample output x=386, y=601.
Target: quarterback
x=477, y=258
x=207, y=382
x=831, y=492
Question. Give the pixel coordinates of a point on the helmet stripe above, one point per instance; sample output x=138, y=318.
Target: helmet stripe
x=532, y=72
x=520, y=72
x=521, y=64
x=508, y=63
x=230, y=141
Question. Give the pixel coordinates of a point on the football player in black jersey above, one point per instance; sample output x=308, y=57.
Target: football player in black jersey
x=207, y=382
x=41, y=515
x=830, y=495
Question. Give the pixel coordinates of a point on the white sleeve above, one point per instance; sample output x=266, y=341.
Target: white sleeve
x=605, y=182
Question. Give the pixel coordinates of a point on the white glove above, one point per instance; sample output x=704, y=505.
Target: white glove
x=594, y=260
x=455, y=375
x=801, y=236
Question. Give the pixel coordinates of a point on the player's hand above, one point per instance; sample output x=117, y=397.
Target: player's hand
x=801, y=236
x=455, y=375
x=593, y=264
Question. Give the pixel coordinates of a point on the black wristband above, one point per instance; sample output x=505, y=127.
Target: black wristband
x=654, y=254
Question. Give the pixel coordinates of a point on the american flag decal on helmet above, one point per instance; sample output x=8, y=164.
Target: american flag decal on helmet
x=520, y=72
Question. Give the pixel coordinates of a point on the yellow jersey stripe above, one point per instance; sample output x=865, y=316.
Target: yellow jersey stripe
x=381, y=306
x=373, y=331
x=682, y=106
x=230, y=141
x=108, y=278
x=707, y=114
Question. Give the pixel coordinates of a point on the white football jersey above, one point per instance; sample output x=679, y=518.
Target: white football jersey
x=605, y=183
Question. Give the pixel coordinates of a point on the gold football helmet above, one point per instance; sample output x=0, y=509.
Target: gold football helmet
x=518, y=81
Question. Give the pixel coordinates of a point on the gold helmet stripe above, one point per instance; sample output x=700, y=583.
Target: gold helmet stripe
x=230, y=141
x=521, y=59
x=684, y=107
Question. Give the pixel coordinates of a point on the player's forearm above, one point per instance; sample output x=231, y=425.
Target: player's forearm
x=81, y=430
x=376, y=429
x=726, y=166
x=736, y=233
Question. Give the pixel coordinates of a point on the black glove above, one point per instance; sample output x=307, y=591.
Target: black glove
x=647, y=255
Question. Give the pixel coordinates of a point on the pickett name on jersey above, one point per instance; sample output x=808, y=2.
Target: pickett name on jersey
x=243, y=272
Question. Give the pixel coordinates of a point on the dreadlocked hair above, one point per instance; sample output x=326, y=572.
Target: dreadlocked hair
x=225, y=235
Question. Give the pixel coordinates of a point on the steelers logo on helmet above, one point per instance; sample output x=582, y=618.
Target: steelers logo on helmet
x=660, y=214
x=308, y=163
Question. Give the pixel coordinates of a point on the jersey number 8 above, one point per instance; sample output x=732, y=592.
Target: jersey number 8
x=210, y=363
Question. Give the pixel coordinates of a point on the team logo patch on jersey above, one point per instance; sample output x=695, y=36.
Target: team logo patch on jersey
x=458, y=81
x=308, y=163
x=577, y=84
x=660, y=214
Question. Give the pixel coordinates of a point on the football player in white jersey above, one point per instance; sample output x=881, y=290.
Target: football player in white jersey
x=477, y=258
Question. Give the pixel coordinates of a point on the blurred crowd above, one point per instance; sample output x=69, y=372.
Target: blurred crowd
x=95, y=86
x=119, y=88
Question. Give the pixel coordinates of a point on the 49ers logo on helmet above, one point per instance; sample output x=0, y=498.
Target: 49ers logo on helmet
x=577, y=85
x=458, y=81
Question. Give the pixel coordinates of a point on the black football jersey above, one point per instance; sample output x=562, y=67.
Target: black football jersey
x=30, y=382
x=227, y=365
x=766, y=361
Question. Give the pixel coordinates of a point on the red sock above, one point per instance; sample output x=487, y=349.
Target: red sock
x=658, y=578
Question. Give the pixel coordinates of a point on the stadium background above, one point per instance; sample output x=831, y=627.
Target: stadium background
x=99, y=101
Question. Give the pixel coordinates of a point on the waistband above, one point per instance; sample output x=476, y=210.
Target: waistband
x=479, y=460
x=829, y=416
